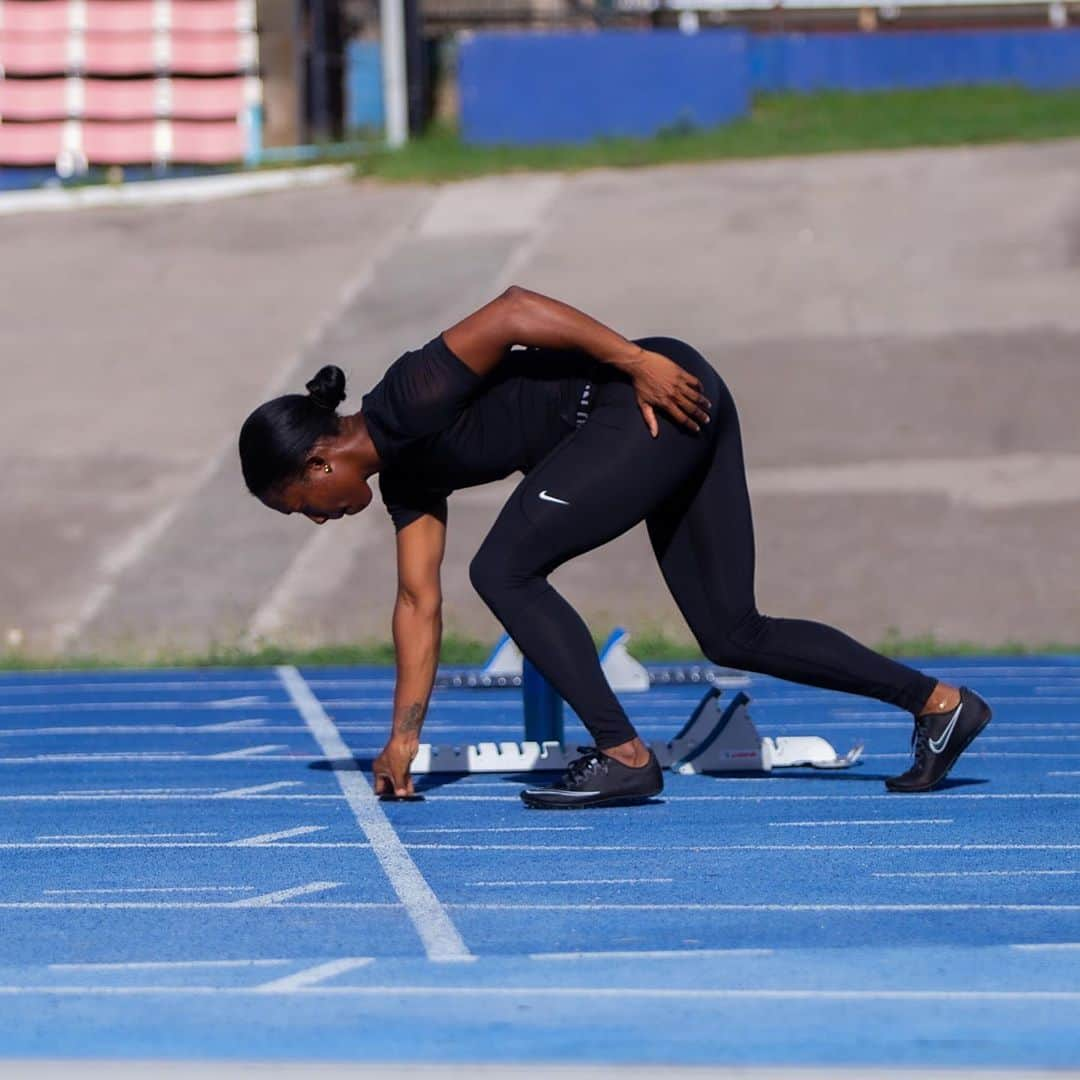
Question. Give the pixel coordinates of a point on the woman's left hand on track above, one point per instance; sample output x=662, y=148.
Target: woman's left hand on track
x=391, y=768
x=661, y=384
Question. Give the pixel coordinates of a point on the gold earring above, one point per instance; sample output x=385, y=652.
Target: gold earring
x=326, y=468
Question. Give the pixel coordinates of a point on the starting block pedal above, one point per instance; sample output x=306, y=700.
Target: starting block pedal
x=711, y=741
x=734, y=745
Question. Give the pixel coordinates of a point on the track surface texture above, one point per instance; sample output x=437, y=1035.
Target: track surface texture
x=195, y=869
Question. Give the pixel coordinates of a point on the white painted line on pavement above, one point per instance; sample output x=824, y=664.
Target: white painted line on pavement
x=578, y=881
x=249, y=751
x=1048, y=946
x=281, y=895
x=258, y=789
x=313, y=976
x=168, y=965
x=270, y=837
x=860, y=821
x=441, y=939
x=971, y=873
x=155, y=889
x=127, y=836
x=651, y=954
x=541, y=992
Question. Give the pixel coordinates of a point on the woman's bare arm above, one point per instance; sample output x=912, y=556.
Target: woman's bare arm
x=417, y=636
x=522, y=317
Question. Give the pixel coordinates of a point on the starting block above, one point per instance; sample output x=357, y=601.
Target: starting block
x=711, y=741
x=625, y=674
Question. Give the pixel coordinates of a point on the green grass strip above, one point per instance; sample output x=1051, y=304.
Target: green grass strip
x=779, y=125
x=651, y=647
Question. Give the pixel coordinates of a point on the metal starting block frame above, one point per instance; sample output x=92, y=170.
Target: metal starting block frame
x=625, y=674
x=711, y=741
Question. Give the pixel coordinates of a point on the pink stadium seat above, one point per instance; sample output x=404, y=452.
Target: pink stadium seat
x=119, y=144
x=34, y=54
x=210, y=54
x=128, y=16
x=120, y=54
x=207, y=143
x=30, y=144
x=212, y=16
x=134, y=100
x=119, y=16
x=208, y=99
x=33, y=99
x=34, y=16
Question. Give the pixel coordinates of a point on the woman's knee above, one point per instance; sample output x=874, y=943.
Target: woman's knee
x=732, y=642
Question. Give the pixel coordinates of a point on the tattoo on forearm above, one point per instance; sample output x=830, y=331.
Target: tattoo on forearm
x=413, y=719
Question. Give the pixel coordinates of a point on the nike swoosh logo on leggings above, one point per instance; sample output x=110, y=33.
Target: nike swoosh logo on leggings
x=937, y=745
x=551, y=498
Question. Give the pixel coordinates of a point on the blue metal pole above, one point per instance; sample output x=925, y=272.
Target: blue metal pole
x=543, y=707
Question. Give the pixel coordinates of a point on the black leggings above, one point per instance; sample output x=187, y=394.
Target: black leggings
x=690, y=489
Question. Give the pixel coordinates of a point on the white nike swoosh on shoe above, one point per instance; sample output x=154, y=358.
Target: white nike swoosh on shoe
x=551, y=498
x=937, y=745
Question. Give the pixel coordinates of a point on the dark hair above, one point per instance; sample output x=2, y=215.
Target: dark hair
x=277, y=438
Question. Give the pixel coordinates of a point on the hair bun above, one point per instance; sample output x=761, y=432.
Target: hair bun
x=327, y=389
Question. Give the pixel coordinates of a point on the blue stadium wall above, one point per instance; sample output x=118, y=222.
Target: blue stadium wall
x=541, y=88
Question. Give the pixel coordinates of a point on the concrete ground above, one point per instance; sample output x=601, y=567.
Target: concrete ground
x=901, y=332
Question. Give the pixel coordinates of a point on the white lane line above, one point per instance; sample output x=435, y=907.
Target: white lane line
x=860, y=821
x=249, y=751
x=154, y=889
x=126, y=836
x=313, y=976
x=792, y=908
x=281, y=895
x=107, y=845
x=440, y=937
x=187, y=905
x=971, y=873
x=497, y=828
x=258, y=789
x=200, y=791
x=363, y=905
x=473, y=704
x=651, y=954
x=180, y=795
x=541, y=992
x=1048, y=946
x=255, y=754
x=893, y=797
x=579, y=881
x=270, y=837
x=168, y=965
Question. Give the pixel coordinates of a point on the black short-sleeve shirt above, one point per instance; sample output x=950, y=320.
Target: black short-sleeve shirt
x=438, y=426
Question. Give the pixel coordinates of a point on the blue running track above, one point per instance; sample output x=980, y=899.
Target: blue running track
x=194, y=867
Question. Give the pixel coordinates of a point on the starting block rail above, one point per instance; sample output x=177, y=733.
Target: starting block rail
x=505, y=669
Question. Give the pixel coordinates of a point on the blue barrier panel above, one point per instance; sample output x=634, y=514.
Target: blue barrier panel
x=363, y=85
x=572, y=87
x=801, y=63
